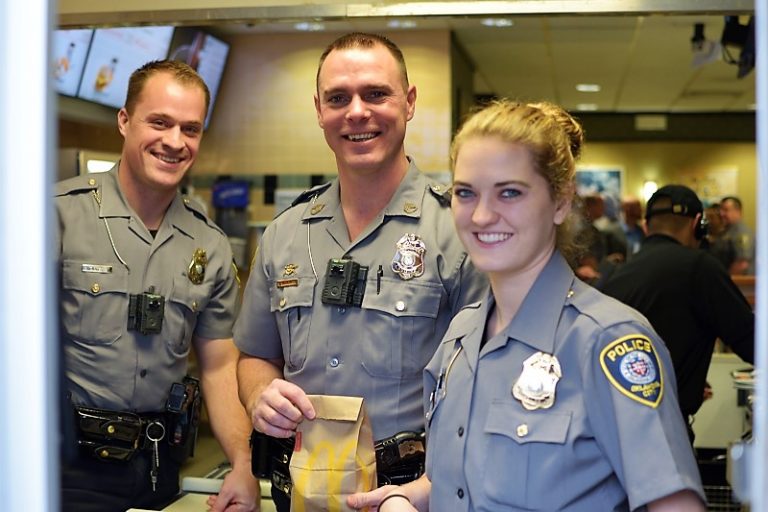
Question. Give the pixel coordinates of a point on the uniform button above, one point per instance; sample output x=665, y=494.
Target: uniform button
x=460, y=493
x=522, y=430
x=91, y=181
x=186, y=200
x=143, y=373
x=104, y=454
x=342, y=310
x=334, y=362
x=111, y=429
x=95, y=287
x=461, y=431
x=282, y=302
x=400, y=305
x=194, y=305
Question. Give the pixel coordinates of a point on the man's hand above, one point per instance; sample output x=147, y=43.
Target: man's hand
x=239, y=493
x=279, y=409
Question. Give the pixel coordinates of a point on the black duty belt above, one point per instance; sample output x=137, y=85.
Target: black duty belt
x=399, y=459
x=116, y=435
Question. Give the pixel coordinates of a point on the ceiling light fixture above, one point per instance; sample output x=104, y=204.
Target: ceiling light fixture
x=587, y=87
x=497, y=22
x=586, y=106
x=402, y=24
x=306, y=26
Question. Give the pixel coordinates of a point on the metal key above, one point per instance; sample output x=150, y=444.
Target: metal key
x=155, y=434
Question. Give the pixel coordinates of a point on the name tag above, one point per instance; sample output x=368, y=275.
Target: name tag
x=89, y=268
x=287, y=283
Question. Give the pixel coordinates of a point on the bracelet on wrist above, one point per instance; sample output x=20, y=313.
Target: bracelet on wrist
x=394, y=495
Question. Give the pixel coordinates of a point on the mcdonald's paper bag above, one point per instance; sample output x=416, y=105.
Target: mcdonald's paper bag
x=334, y=455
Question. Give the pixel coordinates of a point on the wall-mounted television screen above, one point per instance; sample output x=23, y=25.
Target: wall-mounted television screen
x=70, y=48
x=115, y=53
x=205, y=53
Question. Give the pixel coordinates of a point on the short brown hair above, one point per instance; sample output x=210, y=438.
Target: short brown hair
x=181, y=72
x=364, y=40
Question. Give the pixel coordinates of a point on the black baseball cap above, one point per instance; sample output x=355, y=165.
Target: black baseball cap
x=683, y=201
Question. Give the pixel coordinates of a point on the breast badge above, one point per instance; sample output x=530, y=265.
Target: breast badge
x=535, y=388
x=631, y=364
x=409, y=258
x=196, y=270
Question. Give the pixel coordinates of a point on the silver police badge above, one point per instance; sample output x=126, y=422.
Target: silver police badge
x=535, y=388
x=409, y=259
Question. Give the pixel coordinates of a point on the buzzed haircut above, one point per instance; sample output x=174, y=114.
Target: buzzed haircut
x=366, y=41
x=181, y=72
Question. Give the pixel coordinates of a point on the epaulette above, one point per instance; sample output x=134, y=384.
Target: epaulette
x=308, y=195
x=78, y=184
x=197, y=209
x=442, y=193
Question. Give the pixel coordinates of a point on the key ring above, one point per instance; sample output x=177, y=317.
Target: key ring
x=157, y=438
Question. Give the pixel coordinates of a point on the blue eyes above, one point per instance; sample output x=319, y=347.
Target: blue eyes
x=506, y=193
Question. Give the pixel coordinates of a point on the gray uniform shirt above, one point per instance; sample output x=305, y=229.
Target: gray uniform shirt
x=107, y=365
x=740, y=241
x=379, y=350
x=613, y=440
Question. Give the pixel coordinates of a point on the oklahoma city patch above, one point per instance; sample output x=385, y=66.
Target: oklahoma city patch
x=632, y=366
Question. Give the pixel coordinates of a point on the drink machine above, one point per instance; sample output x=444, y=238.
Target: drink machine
x=230, y=198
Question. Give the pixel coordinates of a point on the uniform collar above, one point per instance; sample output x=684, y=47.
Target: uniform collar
x=406, y=202
x=535, y=323
x=114, y=204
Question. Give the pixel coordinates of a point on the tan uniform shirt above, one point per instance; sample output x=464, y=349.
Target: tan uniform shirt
x=106, y=364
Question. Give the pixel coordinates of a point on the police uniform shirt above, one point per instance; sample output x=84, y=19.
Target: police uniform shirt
x=741, y=241
x=107, y=365
x=377, y=351
x=690, y=301
x=613, y=438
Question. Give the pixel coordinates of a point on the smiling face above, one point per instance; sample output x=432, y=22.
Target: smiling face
x=162, y=133
x=363, y=106
x=503, y=208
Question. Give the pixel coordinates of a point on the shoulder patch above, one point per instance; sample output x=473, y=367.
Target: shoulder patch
x=632, y=365
x=442, y=193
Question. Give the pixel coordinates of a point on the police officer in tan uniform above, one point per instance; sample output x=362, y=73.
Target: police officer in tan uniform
x=352, y=288
x=547, y=394
x=145, y=277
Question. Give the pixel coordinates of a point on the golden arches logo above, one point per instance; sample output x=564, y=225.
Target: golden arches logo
x=334, y=471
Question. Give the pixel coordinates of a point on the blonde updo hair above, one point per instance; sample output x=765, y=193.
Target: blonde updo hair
x=554, y=140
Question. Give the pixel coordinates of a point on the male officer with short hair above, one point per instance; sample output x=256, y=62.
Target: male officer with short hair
x=353, y=287
x=145, y=276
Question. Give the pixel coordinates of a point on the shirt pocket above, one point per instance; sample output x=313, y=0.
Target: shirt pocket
x=400, y=327
x=94, y=305
x=182, y=306
x=521, y=446
x=291, y=307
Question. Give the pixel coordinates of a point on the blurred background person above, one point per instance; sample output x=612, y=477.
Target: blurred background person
x=684, y=292
x=738, y=237
x=632, y=224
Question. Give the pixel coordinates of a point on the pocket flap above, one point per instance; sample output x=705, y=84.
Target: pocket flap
x=507, y=419
x=300, y=293
x=400, y=298
x=93, y=279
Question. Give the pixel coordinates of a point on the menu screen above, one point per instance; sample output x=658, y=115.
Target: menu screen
x=70, y=48
x=115, y=54
x=205, y=53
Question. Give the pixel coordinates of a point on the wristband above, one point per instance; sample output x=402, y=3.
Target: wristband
x=395, y=495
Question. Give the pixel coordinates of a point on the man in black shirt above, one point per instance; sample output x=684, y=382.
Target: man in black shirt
x=684, y=292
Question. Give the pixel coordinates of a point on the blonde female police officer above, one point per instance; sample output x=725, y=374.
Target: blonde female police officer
x=547, y=395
